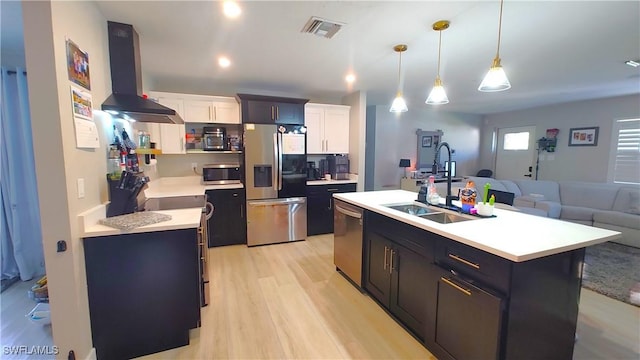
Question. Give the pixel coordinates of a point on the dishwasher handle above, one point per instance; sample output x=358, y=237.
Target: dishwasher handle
x=350, y=213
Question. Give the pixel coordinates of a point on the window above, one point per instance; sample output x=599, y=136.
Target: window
x=624, y=163
x=516, y=141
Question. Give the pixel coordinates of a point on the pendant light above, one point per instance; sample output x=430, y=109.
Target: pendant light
x=399, y=105
x=496, y=79
x=438, y=96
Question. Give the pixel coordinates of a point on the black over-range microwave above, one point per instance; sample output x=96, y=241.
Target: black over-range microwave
x=220, y=174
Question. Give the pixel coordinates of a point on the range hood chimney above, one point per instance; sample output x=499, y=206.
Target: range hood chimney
x=126, y=80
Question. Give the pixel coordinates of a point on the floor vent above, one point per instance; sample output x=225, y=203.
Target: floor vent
x=321, y=27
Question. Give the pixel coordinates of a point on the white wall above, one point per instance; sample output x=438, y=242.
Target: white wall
x=58, y=162
x=569, y=163
x=395, y=138
x=357, y=129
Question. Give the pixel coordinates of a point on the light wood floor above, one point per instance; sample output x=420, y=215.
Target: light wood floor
x=287, y=301
x=16, y=328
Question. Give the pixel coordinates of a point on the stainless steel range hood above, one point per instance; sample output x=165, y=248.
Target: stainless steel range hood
x=126, y=80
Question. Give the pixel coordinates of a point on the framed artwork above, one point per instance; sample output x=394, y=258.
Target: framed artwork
x=587, y=136
x=78, y=65
x=426, y=141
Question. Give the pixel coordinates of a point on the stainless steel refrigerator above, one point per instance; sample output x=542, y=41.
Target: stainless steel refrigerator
x=276, y=183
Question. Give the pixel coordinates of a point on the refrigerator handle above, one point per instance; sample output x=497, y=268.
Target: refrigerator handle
x=279, y=161
x=274, y=175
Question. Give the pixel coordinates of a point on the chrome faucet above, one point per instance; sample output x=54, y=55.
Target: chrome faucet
x=434, y=170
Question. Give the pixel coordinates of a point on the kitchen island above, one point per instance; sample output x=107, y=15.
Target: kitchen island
x=143, y=284
x=505, y=287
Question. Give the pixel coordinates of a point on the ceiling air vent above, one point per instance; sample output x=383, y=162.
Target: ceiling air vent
x=321, y=27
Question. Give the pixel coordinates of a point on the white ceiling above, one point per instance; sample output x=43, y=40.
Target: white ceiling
x=552, y=51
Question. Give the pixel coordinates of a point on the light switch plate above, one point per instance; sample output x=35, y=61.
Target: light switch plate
x=80, y=188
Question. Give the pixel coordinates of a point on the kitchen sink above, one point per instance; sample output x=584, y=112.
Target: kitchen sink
x=437, y=214
x=411, y=209
x=445, y=217
x=175, y=202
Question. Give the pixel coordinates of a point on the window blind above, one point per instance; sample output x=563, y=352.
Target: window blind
x=627, y=152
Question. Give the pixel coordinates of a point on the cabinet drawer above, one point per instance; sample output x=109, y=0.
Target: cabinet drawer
x=418, y=240
x=330, y=189
x=475, y=264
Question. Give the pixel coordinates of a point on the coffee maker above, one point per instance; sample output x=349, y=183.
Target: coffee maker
x=313, y=173
x=338, y=167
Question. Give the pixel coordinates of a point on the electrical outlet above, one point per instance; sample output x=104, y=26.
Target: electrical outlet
x=194, y=166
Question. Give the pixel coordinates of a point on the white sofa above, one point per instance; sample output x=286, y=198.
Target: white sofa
x=610, y=206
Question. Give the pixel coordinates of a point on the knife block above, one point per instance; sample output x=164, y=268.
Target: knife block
x=122, y=202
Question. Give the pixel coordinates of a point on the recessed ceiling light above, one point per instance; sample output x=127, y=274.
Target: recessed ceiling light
x=350, y=78
x=633, y=63
x=231, y=9
x=224, y=62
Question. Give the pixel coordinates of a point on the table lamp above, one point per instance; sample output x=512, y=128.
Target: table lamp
x=405, y=163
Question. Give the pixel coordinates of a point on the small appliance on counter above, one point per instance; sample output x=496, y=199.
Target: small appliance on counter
x=220, y=174
x=126, y=195
x=313, y=173
x=214, y=139
x=338, y=167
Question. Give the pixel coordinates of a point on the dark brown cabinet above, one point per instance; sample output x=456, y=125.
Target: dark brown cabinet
x=228, y=224
x=143, y=290
x=320, y=206
x=257, y=109
x=468, y=319
x=398, y=272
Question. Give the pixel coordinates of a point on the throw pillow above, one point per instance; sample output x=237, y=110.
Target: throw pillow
x=634, y=203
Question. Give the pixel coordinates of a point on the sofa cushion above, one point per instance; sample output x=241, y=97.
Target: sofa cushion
x=511, y=187
x=552, y=208
x=569, y=212
x=627, y=200
x=480, y=181
x=617, y=218
x=591, y=195
x=549, y=189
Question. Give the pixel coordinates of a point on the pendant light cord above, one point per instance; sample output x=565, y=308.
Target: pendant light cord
x=399, y=67
x=499, y=30
x=439, y=52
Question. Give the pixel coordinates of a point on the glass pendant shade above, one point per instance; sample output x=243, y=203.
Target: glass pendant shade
x=398, y=105
x=437, y=95
x=496, y=79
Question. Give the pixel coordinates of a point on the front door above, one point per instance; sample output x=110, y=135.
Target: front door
x=516, y=153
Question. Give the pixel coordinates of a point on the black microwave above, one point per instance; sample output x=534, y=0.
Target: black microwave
x=220, y=174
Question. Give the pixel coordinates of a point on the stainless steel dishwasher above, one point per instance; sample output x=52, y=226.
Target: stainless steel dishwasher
x=347, y=240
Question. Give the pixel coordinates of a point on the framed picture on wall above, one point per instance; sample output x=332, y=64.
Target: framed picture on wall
x=426, y=141
x=587, y=136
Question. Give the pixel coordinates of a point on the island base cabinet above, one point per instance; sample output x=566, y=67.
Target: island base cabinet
x=378, y=275
x=397, y=275
x=468, y=321
x=143, y=291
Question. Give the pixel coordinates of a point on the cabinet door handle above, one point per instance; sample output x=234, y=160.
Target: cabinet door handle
x=384, y=263
x=391, y=261
x=327, y=144
x=330, y=204
x=456, y=286
x=209, y=112
x=277, y=113
x=241, y=211
x=464, y=261
x=272, y=113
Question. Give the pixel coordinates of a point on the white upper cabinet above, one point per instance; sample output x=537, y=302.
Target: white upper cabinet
x=327, y=128
x=171, y=136
x=202, y=108
x=215, y=110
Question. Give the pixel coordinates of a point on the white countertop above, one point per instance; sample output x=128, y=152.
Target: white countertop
x=182, y=186
x=512, y=235
x=330, y=182
x=180, y=219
